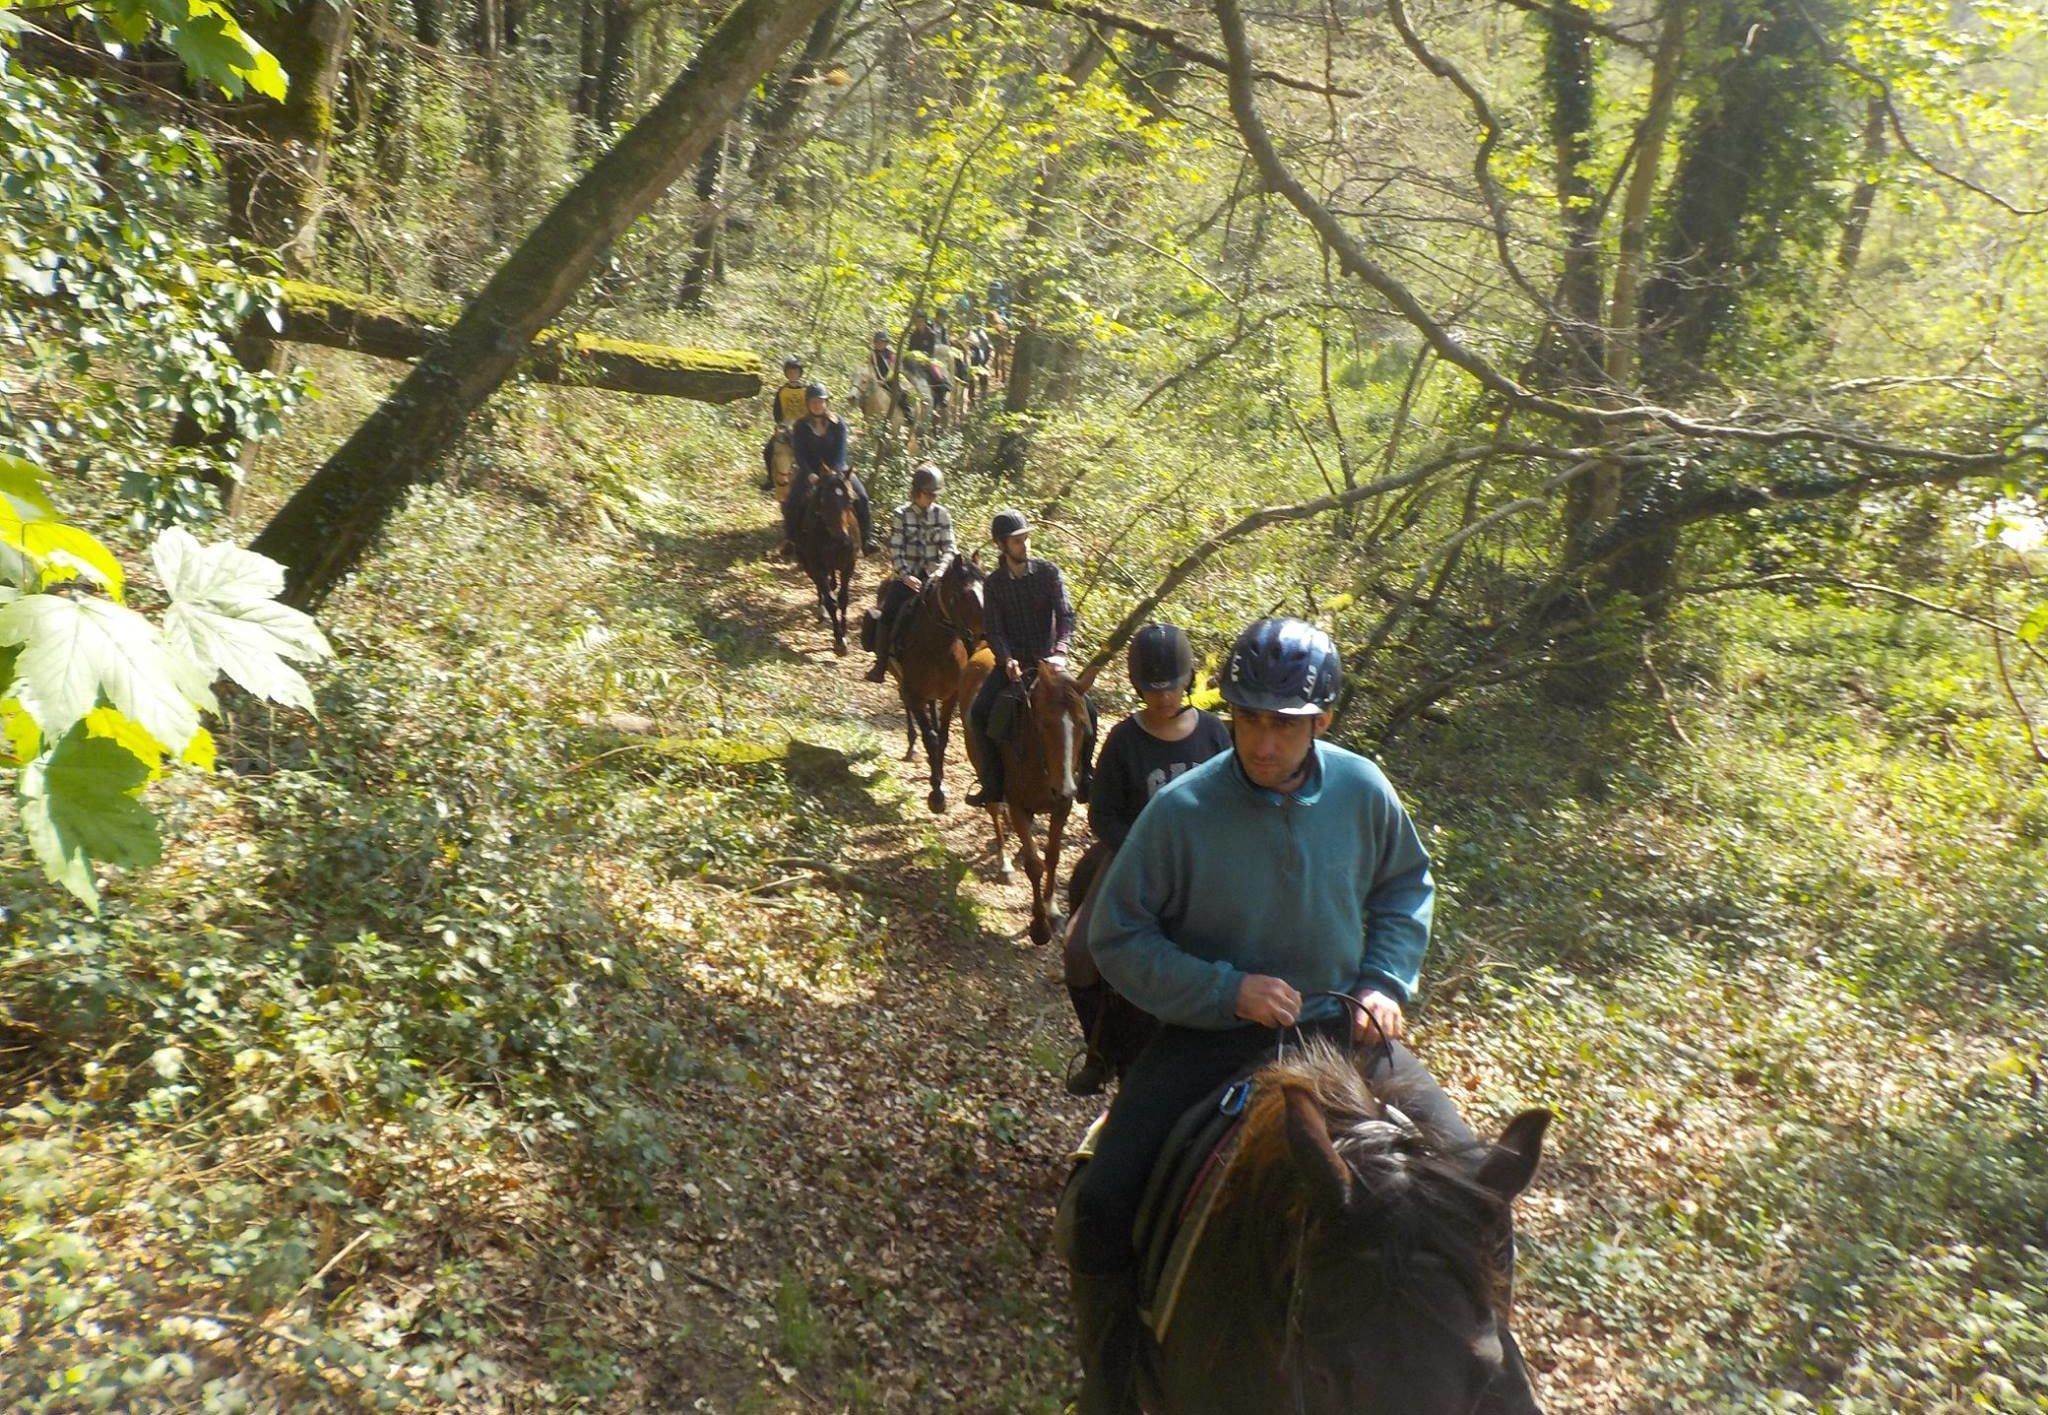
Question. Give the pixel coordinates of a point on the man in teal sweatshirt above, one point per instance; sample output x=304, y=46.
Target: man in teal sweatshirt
x=1282, y=869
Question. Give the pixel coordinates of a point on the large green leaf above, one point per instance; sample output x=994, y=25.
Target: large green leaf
x=224, y=617
x=74, y=649
x=78, y=806
x=21, y=492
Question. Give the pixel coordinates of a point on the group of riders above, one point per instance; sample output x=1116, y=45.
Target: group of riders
x=1250, y=879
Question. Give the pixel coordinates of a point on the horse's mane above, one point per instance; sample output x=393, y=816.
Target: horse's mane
x=1413, y=1191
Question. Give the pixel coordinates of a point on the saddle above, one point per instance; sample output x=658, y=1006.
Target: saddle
x=1006, y=713
x=1186, y=1180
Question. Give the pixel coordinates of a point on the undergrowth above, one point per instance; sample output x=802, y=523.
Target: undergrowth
x=334, y=1108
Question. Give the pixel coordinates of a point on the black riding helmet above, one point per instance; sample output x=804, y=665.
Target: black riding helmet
x=791, y=361
x=1286, y=666
x=1007, y=524
x=817, y=390
x=880, y=336
x=1161, y=658
x=927, y=478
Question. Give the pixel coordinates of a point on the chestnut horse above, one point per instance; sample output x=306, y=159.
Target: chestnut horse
x=827, y=546
x=934, y=639
x=1042, y=765
x=1352, y=1263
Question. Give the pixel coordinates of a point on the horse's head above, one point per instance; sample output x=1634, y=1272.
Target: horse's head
x=830, y=508
x=1059, y=714
x=958, y=589
x=1387, y=1261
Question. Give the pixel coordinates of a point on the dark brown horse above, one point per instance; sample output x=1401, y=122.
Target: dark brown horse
x=934, y=639
x=1042, y=765
x=1351, y=1265
x=827, y=546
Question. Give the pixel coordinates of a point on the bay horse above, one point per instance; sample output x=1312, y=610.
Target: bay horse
x=1042, y=765
x=980, y=663
x=1352, y=1263
x=827, y=546
x=934, y=640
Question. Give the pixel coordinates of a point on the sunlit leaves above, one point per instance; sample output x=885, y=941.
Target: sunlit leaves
x=74, y=650
x=224, y=616
x=117, y=695
x=78, y=806
x=214, y=49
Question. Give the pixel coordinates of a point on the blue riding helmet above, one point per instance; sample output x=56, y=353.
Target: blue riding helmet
x=1285, y=666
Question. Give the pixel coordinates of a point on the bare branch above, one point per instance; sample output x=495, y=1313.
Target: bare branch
x=1170, y=39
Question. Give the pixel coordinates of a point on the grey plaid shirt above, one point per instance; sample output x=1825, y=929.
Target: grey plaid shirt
x=920, y=541
x=1026, y=617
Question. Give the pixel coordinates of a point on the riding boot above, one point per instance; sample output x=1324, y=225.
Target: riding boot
x=884, y=632
x=1092, y=1074
x=1107, y=1332
x=865, y=513
x=990, y=792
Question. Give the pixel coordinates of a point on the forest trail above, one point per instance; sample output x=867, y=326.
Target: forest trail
x=891, y=1134
x=891, y=1131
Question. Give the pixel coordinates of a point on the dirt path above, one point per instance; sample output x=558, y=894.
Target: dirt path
x=877, y=1129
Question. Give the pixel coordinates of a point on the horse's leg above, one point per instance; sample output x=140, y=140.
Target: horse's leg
x=934, y=756
x=1055, y=832
x=1034, y=870
x=839, y=612
x=997, y=814
x=912, y=727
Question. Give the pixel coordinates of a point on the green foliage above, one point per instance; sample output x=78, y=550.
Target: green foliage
x=93, y=695
x=113, y=317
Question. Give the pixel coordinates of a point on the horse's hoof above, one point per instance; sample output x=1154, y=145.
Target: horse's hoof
x=1005, y=873
x=1041, y=932
x=937, y=802
x=839, y=647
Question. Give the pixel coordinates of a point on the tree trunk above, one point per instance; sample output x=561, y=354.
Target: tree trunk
x=696, y=285
x=615, y=64
x=274, y=179
x=427, y=21
x=1034, y=350
x=1754, y=153
x=1864, y=198
x=490, y=32
x=328, y=525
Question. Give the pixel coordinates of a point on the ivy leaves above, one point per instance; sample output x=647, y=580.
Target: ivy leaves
x=94, y=695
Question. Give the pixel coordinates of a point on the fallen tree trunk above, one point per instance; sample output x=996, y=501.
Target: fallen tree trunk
x=386, y=329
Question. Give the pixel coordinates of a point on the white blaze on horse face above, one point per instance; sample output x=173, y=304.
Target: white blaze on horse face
x=1067, y=786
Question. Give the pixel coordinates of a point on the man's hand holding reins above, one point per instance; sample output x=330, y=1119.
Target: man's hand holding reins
x=911, y=582
x=1268, y=1001
x=1375, y=1006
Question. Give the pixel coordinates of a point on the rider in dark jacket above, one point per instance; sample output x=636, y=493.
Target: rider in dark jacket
x=819, y=442
x=1025, y=618
x=1164, y=739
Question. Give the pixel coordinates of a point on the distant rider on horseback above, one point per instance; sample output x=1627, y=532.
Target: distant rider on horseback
x=819, y=441
x=920, y=543
x=785, y=409
x=1025, y=617
x=1284, y=869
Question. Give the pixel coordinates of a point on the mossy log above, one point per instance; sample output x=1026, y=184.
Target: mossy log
x=388, y=329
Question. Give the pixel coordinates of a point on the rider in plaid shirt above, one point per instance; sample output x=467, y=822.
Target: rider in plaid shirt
x=920, y=542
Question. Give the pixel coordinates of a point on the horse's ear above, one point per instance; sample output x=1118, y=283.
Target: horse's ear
x=1512, y=1163
x=1316, y=1160
x=1087, y=678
